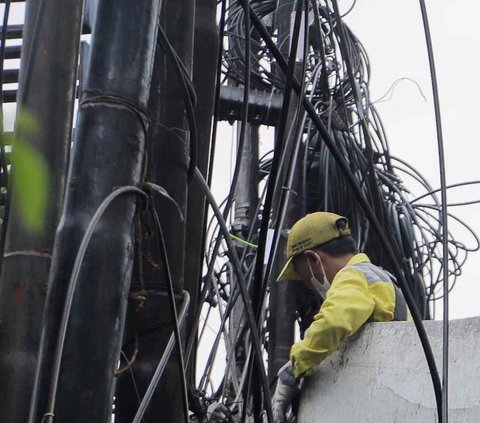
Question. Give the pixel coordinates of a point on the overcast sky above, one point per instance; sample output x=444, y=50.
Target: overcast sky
x=392, y=34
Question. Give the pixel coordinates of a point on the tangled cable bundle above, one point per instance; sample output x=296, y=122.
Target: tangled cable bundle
x=330, y=153
x=335, y=79
x=336, y=76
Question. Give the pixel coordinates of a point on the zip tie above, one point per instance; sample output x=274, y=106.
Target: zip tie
x=27, y=253
x=236, y=238
x=46, y=416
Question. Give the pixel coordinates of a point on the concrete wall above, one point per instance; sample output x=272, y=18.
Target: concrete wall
x=381, y=375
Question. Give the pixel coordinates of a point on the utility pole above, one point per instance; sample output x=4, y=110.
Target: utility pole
x=205, y=57
x=168, y=160
x=282, y=303
x=246, y=193
x=246, y=201
x=108, y=153
x=46, y=90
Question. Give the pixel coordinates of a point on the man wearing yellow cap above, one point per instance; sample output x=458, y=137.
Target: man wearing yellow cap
x=322, y=254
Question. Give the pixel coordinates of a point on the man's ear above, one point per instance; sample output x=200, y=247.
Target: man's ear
x=313, y=256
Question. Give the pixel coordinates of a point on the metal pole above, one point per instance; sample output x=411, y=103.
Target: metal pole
x=282, y=302
x=47, y=81
x=204, y=77
x=168, y=154
x=246, y=192
x=107, y=153
x=246, y=201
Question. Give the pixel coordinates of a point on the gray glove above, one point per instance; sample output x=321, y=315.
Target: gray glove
x=287, y=388
x=217, y=412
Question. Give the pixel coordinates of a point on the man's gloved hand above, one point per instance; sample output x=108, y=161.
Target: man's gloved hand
x=287, y=388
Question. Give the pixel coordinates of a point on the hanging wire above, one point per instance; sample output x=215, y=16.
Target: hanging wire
x=243, y=291
x=189, y=97
x=72, y=285
x=333, y=99
x=366, y=207
x=163, y=363
x=173, y=308
x=347, y=167
x=444, y=214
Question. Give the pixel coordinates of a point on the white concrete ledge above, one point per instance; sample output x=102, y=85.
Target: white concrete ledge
x=381, y=375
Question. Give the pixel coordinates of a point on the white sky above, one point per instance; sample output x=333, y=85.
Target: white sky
x=392, y=34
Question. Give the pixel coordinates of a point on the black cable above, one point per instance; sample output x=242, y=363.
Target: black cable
x=431, y=192
x=162, y=363
x=189, y=97
x=364, y=204
x=286, y=181
x=260, y=278
x=233, y=185
x=243, y=291
x=414, y=229
x=216, y=104
x=242, y=136
x=72, y=284
x=173, y=308
x=462, y=203
x=350, y=9
x=235, y=293
x=234, y=61
x=275, y=167
x=443, y=417
x=369, y=150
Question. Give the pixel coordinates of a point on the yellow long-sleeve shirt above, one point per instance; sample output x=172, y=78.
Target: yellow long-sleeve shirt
x=360, y=292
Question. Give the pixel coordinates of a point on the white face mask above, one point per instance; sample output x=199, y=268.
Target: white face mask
x=320, y=287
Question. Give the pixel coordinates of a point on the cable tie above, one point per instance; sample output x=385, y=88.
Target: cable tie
x=47, y=416
x=31, y=253
x=236, y=238
x=290, y=190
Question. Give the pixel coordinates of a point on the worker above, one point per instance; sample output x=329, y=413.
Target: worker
x=322, y=254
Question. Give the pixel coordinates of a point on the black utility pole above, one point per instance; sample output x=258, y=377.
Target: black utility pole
x=282, y=302
x=204, y=77
x=108, y=153
x=282, y=295
x=246, y=202
x=51, y=36
x=168, y=152
x=246, y=191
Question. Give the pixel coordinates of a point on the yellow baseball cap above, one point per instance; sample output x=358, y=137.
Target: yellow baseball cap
x=311, y=231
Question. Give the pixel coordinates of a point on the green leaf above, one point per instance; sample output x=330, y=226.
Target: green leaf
x=31, y=176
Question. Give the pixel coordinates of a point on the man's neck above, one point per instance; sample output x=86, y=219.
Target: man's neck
x=334, y=264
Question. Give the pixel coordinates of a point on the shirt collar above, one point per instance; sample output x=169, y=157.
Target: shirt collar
x=358, y=258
